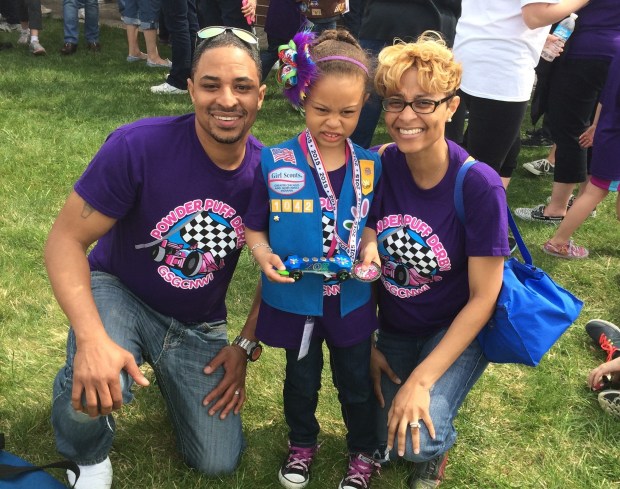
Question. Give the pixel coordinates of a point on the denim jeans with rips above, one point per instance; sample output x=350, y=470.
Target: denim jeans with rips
x=404, y=354
x=178, y=353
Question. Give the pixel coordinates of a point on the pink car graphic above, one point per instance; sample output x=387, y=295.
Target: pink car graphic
x=190, y=261
x=404, y=275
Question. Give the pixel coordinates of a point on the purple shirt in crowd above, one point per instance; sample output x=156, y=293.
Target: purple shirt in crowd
x=598, y=31
x=284, y=330
x=425, y=248
x=606, y=150
x=179, y=229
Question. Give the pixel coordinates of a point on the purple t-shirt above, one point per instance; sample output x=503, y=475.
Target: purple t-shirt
x=284, y=19
x=605, y=161
x=597, y=34
x=284, y=330
x=424, y=247
x=179, y=229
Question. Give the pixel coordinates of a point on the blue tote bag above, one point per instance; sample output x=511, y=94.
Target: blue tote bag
x=532, y=311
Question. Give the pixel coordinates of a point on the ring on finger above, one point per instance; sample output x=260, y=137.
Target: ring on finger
x=414, y=424
x=237, y=392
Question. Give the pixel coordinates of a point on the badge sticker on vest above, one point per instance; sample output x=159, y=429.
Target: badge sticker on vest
x=286, y=180
x=368, y=175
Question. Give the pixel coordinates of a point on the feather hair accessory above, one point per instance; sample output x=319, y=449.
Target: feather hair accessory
x=297, y=70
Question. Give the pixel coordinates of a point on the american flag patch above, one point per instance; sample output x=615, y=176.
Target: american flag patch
x=283, y=154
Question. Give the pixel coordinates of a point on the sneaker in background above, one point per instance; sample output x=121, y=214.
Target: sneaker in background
x=37, y=49
x=569, y=251
x=427, y=475
x=295, y=471
x=539, y=167
x=98, y=476
x=536, y=214
x=81, y=13
x=536, y=137
x=571, y=201
x=24, y=37
x=166, y=88
x=606, y=335
x=361, y=468
x=610, y=402
x=45, y=10
x=6, y=27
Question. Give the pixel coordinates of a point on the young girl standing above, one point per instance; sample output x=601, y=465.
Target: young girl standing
x=312, y=199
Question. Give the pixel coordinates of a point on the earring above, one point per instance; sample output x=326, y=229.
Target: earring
x=449, y=119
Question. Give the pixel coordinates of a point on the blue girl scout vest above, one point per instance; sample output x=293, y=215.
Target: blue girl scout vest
x=296, y=228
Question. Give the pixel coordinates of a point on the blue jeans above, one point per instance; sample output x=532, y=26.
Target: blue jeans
x=351, y=376
x=71, y=22
x=404, y=354
x=143, y=13
x=178, y=353
x=182, y=25
x=371, y=111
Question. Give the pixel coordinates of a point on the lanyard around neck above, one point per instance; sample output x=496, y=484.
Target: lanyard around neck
x=349, y=248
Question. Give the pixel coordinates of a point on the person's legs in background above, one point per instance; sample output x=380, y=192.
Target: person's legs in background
x=371, y=111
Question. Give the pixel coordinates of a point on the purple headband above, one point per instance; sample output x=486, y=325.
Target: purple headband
x=343, y=58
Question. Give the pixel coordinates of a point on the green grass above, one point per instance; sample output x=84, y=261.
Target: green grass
x=519, y=427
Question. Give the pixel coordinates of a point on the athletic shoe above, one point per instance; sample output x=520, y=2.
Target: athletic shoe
x=24, y=37
x=81, y=14
x=571, y=201
x=94, y=46
x=6, y=27
x=167, y=89
x=605, y=334
x=295, y=471
x=512, y=244
x=166, y=63
x=45, y=10
x=536, y=137
x=68, y=48
x=536, y=214
x=98, y=476
x=539, y=167
x=361, y=469
x=610, y=402
x=37, y=49
x=570, y=250
x=427, y=475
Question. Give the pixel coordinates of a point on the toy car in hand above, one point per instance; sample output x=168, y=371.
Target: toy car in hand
x=339, y=266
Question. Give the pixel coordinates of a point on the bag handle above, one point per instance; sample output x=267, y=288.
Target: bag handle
x=460, y=210
x=8, y=471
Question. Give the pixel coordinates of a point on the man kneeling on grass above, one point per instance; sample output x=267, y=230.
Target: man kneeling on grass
x=165, y=199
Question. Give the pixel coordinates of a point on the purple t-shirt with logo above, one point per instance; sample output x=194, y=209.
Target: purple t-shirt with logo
x=425, y=248
x=284, y=330
x=179, y=228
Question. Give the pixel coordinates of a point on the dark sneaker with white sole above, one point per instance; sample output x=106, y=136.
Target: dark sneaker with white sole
x=537, y=214
x=606, y=335
x=361, y=468
x=295, y=471
x=428, y=475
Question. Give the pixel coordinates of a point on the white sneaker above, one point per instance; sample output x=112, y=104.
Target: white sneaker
x=81, y=13
x=24, y=37
x=539, y=167
x=6, y=27
x=167, y=89
x=98, y=476
x=45, y=10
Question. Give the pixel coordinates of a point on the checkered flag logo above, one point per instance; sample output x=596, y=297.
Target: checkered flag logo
x=205, y=233
x=400, y=244
x=328, y=232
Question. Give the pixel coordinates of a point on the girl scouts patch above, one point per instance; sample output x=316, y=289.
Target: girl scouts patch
x=286, y=181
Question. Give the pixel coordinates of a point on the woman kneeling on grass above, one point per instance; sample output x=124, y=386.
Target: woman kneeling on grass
x=440, y=278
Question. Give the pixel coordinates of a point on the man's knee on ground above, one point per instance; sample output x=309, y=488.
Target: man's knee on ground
x=212, y=465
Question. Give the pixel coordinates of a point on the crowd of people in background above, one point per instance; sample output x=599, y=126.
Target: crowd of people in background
x=439, y=63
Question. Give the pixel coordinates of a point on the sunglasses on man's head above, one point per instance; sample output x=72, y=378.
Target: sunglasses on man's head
x=216, y=30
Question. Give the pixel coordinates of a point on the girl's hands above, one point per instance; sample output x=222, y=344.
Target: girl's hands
x=379, y=365
x=270, y=263
x=411, y=405
x=596, y=375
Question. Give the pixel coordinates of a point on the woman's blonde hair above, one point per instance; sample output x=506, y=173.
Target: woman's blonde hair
x=438, y=72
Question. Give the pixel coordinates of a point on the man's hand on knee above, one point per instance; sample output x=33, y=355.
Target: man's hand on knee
x=230, y=392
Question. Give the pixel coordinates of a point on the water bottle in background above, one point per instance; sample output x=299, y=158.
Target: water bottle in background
x=563, y=31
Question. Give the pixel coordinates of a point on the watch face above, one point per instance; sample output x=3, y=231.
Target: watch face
x=255, y=353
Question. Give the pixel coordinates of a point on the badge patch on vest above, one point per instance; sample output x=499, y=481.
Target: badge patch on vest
x=368, y=175
x=286, y=180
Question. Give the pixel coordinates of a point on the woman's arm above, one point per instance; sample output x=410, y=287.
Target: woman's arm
x=541, y=14
x=413, y=399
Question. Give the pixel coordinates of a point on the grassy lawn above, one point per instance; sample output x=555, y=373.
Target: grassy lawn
x=519, y=428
